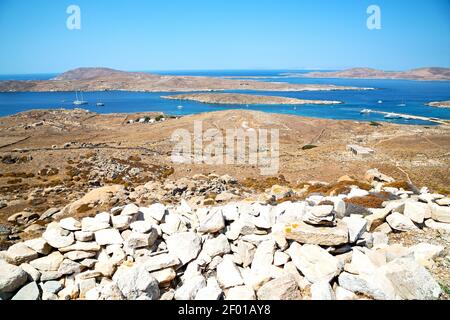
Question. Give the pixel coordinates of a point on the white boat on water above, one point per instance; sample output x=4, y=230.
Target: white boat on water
x=100, y=104
x=366, y=111
x=180, y=107
x=79, y=102
x=392, y=116
x=380, y=101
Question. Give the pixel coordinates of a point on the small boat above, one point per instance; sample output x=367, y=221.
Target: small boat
x=380, y=101
x=79, y=102
x=392, y=116
x=180, y=107
x=366, y=111
x=99, y=104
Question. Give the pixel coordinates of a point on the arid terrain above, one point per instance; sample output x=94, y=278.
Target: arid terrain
x=235, y=98
x=60, y=167
x=425, y=74
x=67, y=153
x=439, y=104
x=103, y=79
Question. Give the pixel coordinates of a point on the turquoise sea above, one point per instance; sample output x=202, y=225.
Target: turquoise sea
x=401, y=96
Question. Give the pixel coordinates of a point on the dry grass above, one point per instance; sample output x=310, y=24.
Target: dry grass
x=263, y=184
x=399, y=185
x=369, y=201
x=342, y=187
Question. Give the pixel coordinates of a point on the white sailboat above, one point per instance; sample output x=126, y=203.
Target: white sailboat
x=79, y=102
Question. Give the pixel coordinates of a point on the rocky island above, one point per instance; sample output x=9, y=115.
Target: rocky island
x=104, y=79
x=242, y=99
x=425, y=74
x=439, y=104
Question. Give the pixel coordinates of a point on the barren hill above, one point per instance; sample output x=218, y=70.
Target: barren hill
x=433, y=73
x=102, y=79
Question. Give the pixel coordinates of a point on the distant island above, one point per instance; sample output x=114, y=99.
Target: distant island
x=105, y=79
x=430, y=74
x=439, y=104
x=235, y=98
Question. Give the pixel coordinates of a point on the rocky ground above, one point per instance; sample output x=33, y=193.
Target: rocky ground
x=116, y=169
x=350, y=240
x=50, y=158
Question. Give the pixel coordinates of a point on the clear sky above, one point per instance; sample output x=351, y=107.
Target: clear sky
x=222, y=34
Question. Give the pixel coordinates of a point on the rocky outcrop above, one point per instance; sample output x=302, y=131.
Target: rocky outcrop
x=310, y=249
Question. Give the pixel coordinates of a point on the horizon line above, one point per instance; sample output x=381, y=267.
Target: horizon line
x=225, y=69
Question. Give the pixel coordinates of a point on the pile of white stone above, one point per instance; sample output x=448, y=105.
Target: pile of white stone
x=312, y=249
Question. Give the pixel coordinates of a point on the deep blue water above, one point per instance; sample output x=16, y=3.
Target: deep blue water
x=392, y=92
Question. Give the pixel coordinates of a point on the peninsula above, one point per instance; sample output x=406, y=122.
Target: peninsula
x=237, y=98
x=439, y=104
x=424, y=74
x=104, y=79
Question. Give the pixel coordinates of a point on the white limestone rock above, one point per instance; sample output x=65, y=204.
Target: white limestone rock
x=322, y=291
x=228, y=274
x=314, y=262
x=184, y=245
x=130, y=210
x=11, y=277
x=411, y=280
x=240, y=293
x=213, y=222
x=356, y=227
x=160, y=262
x=399, y=222
x=70, y=224
x=48, y=263
x=28, y=292
x=20, y=253
x=58, y=237
x=217, y=246
x=136, y=283
x=190, y=287
x=108, y=236
x=283, y=288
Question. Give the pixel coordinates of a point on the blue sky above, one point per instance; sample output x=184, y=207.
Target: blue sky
x=222, y=34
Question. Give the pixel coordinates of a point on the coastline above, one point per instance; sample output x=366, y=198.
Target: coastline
x=245, y=99
x=439, y=104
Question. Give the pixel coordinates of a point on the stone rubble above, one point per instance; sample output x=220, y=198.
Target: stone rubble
x=318, y=248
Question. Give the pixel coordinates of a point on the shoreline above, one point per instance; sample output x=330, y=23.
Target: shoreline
x=375, y=122
x=246, y=99
x=439, y=104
